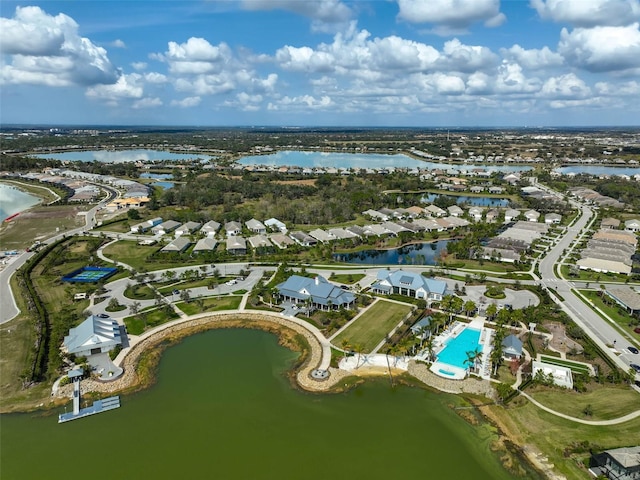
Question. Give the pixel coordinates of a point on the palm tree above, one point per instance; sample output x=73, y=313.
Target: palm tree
x=491, y=310
x=472, y=358
x=359, y=349
x=428, y=345
x=345, y=345
x=469, y=307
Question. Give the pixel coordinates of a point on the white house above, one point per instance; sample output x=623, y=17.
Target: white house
x=187, y=228
x=210, y=228
x=144, y=226
x=409, y=284
x=632, y=225
x=256, y=226
x=552, y=218
x=476, y=213
x=455, y=211
x=532, y=215
x=94, y=335
x=276, y=225
x=232, y=229
x=165, y=227
x=511, y=214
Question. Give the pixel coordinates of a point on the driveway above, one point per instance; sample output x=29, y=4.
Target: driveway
x=515, y=298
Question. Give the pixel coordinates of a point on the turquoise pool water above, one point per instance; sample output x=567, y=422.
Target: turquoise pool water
x=455, y=351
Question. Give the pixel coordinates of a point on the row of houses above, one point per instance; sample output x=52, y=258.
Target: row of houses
x=509, y=245
x=609, y=250
x=591, y=196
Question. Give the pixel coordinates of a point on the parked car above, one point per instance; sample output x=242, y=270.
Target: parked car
x=632, y=349
x=231, y=282
x=635, y=367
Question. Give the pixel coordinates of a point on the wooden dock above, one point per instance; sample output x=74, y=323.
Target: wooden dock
x=98, y=406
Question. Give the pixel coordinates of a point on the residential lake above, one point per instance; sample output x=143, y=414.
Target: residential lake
x=413, y=254
x=13, y=200
x=599, y=170
x=120, y=156
x=223, y=408
x=361, y=161
x=475, y=201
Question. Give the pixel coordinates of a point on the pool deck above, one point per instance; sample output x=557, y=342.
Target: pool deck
x=453, y=372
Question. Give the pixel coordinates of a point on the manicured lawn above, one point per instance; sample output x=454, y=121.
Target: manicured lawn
x=621, y=318
x=347, y=278
x=131, y=253
x=137, y=324
x=551, y=434
x=606, y=402
x=370, y=328
x=139, y=292
x=180, y=285
x=589, y=276
x=210, y=305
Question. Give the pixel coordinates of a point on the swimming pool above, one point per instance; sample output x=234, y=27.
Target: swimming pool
x=455, y=351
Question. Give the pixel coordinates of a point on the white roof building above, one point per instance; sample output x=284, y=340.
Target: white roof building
x=94, y=335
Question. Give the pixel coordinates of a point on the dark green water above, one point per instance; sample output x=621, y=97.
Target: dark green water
x=223, y=409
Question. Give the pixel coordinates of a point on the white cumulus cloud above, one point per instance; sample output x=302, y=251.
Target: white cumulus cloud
x=453, y=15
x=186, y=102
x=147, y=102
x=602, y=49
x=589, y=13
x=48, y=50
x=330, y=11
x=127, y=87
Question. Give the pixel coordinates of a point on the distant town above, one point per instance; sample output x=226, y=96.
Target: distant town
x=499, y=264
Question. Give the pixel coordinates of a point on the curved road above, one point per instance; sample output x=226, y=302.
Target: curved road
x=9, y=309
x=600, y=330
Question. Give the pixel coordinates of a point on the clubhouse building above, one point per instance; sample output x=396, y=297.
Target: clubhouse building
x=319, y=293
x=409, y=284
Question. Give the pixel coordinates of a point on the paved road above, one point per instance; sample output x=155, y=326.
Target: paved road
x=9, y=309
x=600, y=330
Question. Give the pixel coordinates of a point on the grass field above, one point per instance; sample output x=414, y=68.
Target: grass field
x=606, y=402
x=373, y=325
x=38, y=223
x=622, y=319
x=210, y=305
x=137, y=324
x=129, y=252
x=552, y=435
x=347, y=278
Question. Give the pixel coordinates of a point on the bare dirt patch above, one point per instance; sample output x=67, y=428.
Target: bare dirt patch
x=560, y=341
x=308, y=182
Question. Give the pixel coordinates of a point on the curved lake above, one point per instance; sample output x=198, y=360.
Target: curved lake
x=120, y=156
x=598, y=170
x=413, y=254
x=13, y=200
x=475, y=201
x=222, y=408
x=361, y=160
x=157, y=176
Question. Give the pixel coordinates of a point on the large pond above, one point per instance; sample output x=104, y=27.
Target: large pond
x=222, y=408
x=13, y=200
x=360, y=160
x=599, y=170
x=120, y=156
x=414, y=254
x=475, y=201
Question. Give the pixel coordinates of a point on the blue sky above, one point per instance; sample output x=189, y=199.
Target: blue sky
x=321, y=62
